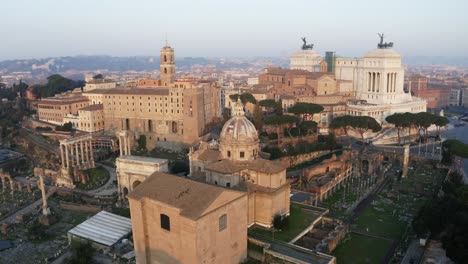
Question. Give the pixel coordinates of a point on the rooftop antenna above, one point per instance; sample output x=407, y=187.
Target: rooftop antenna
x=167, y=44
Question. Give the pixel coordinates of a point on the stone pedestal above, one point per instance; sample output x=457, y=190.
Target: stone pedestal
x=47, y=220
x=65, y=179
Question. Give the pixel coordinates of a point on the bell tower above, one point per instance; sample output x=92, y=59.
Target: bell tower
x=167, y=66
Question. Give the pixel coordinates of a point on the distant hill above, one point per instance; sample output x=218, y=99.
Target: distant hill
x=120, y=64
x=436, y=60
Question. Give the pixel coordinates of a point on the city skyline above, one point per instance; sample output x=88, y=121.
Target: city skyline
x=212, y=29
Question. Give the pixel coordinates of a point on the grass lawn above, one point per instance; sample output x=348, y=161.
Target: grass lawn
x=362, y=249
x=97, y=177
x=299, y=219
x=381, y=223
x=335, y=201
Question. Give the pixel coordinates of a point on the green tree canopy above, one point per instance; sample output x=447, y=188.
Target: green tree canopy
x=456, y=147
x=343, y=122
x=305, y=108
x=400, y=121
x=268, y=103
x=245, y=97
x=258, y=117
x=280, y=120
x=308, y=126
x=56, y=84
x=440, y=121
x=364, y=124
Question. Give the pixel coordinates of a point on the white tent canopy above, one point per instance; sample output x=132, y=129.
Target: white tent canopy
x=104, y=228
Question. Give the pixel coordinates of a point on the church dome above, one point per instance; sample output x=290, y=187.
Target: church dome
x=239, y=138
x=383, y=53
x=239, y=129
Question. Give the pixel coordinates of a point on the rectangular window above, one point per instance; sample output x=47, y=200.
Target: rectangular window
x=165, y=222
x=222, y=222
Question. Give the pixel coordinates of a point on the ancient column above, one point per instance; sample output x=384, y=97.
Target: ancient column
x=77, y=152
x=121, y=145
x=45, y=207
x=125, y=145
x=91, y=152
x=67, y=156
x=86, y=154
x=82, y=153
x=12, y=184
x=3, y=182
x=405, y=161
x=128, y=144
x=62, y=155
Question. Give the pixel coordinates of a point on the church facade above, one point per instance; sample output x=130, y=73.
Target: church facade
x=236, y=162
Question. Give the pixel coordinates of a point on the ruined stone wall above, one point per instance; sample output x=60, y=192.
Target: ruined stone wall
x=337, y=239
x=301, y=158
x=80, y=207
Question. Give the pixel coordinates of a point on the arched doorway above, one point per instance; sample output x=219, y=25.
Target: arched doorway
x=125, y=192
x=365, y=167
x=135, y=184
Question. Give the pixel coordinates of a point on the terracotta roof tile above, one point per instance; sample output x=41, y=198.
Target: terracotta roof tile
x=260, y=165
x=193, y=199
x=92, y=107
x=210, y=155
x=132, y=90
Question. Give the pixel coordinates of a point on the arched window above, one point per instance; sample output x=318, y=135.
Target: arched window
x=165, y=70
x=222, y=222
x=165, y=222
x=165, y=58
x=229, y=153
x=174, y=127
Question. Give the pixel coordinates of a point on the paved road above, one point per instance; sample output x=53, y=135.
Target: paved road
x=460, y=133
x=414, y=253
x=109, y=188
x=430, y=150
x=12, y=218
x=305, y=255
x=38, y=140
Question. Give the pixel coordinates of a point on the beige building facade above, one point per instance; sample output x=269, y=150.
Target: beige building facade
x=91, y=118
x=189, y=222
x=55, y=109
x=99, y=84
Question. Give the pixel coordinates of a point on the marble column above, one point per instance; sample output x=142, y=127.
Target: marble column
x=121, y=145
x=82, y=154
x=67, y=156
x=45, y=207
x=91, y=152
x=62, y=155
x=127, y=144
x=77, y=151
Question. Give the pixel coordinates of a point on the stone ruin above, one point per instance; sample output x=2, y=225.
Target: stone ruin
x=4, y=176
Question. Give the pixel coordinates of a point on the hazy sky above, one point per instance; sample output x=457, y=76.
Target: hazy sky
x=45, y=28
